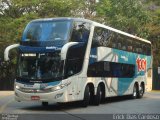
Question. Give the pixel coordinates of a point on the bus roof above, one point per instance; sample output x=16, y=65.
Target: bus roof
x=95, y=24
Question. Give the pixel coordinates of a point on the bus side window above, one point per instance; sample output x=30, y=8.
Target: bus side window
x=95, y=40
x=140, y=50
x=119, y=45
x=74, y=61
x=115, y=41
x=124, y=47
x=80, y=32
x=98, y=37
x=113, y=45
x=144, y=49
x=148, y=49
x=130, y=48
x=102, y=37
x=74, y=66
x=119, y=42
x=129, y=45
x=136, y=47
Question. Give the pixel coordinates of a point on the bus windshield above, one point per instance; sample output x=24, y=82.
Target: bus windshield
x=47, y=31
x=40, y=66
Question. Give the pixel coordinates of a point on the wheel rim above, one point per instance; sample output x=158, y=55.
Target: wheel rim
x=135, y=92
x=141, y=90
x=100, y=97
x=89, y=95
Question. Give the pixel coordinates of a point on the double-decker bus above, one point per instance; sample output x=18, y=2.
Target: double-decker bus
x=75, y=59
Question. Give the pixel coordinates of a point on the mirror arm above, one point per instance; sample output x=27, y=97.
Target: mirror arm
x=6, y=51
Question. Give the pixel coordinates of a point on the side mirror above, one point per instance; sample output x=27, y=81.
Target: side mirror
x=6, y=52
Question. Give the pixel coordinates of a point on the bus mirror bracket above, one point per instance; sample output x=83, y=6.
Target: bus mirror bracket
x=7, y=50
x=65, y=49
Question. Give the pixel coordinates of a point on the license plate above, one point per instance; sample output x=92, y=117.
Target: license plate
x=35, y=98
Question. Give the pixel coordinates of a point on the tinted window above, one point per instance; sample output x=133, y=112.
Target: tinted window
x=80, y=32
x=74, y=61
x=111, y=69
x=47, y=31
x=101, y=37
x=107, y=38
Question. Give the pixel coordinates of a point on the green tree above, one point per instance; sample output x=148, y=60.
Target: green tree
x=153, y=6
x=127, y=15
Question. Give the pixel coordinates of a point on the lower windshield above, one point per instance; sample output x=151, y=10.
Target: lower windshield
x=40, y=66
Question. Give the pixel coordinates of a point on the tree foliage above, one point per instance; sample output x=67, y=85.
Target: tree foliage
x=126, y=15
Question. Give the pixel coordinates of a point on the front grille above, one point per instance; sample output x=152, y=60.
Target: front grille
x=29, y=90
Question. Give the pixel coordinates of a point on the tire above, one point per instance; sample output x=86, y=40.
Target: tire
x=44, y=103
x=141, y=91
x=98, y=96
x=103, y=100
x=135, y=92
x=86, y=98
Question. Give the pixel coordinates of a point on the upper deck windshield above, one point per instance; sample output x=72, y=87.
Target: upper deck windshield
x=56, y=32
x=47, y=31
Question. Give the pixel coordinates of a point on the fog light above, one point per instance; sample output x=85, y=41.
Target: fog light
x=58, y=95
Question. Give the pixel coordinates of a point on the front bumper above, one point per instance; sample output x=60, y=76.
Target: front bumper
x=55, y=96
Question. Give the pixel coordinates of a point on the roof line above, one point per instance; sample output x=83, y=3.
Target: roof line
x=97, y=24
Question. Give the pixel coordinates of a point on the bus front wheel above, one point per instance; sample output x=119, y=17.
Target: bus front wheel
x=141, y=91
x=86, y=98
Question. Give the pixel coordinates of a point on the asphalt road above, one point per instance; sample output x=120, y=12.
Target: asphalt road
x=117, y=107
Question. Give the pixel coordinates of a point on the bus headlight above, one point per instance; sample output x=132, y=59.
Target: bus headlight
x=17, y=87
x=57, y=87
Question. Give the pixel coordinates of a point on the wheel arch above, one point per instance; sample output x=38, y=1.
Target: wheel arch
x=91, y=87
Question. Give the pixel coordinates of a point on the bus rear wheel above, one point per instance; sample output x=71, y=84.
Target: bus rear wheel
x=141, y=91
x=86, y=98
x=98, y=96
